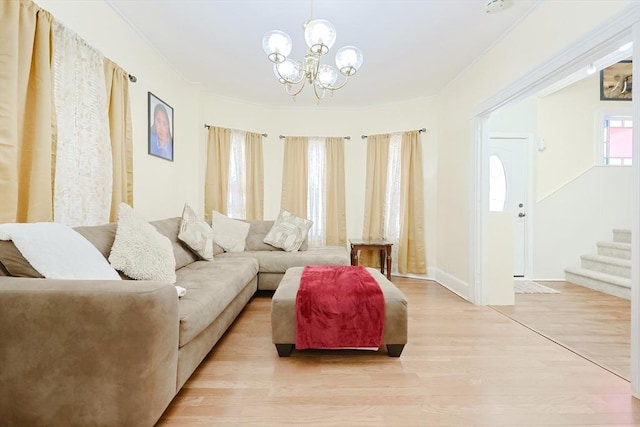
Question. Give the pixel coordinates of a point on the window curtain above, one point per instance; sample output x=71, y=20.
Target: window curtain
x=254, y=176
x=394, y=200
x=236, y=202
x=217, y=174
x=375, y=193
x=294, y=175
x=234, y=183
x=84, y=167
x=411, y=251
x=316, y=191
x=117, y=85
x=336, y=228
x=26, y=151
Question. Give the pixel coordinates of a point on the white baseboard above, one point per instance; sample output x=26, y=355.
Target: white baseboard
x=450, y=282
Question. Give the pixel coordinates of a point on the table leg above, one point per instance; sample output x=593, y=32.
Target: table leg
x=388, y=251
x=354, y=256
x=382, y=258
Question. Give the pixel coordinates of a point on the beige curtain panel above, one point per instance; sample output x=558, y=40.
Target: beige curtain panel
x=117, y=83
x=411, y=253
x=216, y=184
x=254, y=176
x=294, y=175
x=336, y=228
x=375, y=191
x=26, y=152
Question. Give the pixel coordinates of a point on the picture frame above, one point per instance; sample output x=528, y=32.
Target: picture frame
x=616, y=81
x=161, y=128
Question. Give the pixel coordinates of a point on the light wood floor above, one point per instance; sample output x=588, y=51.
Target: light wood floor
x=594, y=324
x=463, y=365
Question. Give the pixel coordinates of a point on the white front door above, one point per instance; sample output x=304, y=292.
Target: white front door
x=508, y=174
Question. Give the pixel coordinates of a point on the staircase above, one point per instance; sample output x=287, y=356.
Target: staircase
x=610, y=270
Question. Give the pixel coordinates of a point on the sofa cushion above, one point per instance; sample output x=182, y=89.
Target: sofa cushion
x=288, y=231
x=13, y=261
x=279, y=261
x=196, y=234
x=170, y=228
x=101, y=236
x=211, y=286
x=228, y=232
x=140, y=251
x=258, y=230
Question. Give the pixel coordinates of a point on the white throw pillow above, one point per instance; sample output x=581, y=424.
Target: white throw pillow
x=288, y=232
x=57, y=251
x=229, y=233
x=196, y=233
x=140, y=251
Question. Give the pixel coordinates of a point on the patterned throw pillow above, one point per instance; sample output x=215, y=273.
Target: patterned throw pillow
x=229, y=233
x=288, y=232
x=196, y=233
x=140, y=251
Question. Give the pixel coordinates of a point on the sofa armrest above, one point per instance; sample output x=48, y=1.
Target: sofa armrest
x=81, y=352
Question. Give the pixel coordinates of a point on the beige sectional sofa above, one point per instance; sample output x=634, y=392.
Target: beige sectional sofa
x=115, y=353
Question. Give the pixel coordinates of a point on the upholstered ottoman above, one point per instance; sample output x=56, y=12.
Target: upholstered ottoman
x=283, y=313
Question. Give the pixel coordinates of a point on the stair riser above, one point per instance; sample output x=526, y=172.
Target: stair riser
x=614, y=270
x=614, y=252
x=598, y=285
x=622, y=236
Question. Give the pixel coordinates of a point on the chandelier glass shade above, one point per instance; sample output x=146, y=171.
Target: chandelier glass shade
x=320, y=36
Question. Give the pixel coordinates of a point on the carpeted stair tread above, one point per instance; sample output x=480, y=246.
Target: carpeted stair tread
x=608, y=260
x=603, y=277
x=616, y=245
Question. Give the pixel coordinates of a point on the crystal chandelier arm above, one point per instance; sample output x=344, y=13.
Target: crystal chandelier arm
x=294, y=93
x=332, y=88
x=321, y=95
x=283, y=79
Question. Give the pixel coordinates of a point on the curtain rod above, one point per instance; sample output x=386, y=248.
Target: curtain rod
x=419, y=131
x=208, y=126
x=132, y=78
x=345, y=137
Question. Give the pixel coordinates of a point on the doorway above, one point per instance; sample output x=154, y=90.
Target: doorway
x=509, y=186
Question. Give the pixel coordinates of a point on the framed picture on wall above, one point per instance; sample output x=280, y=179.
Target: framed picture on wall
x=160, y=128
x=615, y=82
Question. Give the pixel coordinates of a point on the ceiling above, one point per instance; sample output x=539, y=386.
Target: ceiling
x=411, y=48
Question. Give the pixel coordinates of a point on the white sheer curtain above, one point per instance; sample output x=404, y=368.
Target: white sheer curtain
x=83, y=169
x=392, y=198
x=236, y=197
x=316, y=195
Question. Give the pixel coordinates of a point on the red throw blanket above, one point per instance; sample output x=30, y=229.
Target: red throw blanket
x=338, y=306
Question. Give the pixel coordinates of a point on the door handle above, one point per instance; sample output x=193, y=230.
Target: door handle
x=522, y=215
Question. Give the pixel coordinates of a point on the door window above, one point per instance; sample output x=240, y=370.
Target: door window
x=497, y=184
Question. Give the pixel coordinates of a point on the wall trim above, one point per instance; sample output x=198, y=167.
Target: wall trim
x=451, y=282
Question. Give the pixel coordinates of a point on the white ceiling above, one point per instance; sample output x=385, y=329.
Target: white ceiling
x=412, y=48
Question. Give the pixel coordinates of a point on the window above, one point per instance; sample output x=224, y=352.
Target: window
x=497, y=184
x=236, y=196
x=618, y=143
x=316, y=191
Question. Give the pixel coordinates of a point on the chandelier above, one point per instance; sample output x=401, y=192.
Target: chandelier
x=320, y=36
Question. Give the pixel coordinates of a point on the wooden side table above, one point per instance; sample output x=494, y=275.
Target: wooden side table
x=383, y=246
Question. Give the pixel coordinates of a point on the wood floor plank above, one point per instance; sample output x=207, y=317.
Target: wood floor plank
x=463, y=365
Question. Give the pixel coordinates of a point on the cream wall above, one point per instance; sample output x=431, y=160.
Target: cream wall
x=548, y=29
x=160, y=187
x=414, y=114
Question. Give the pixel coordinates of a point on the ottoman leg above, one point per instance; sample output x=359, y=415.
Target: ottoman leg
x=284, y=350
x=395, y=350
